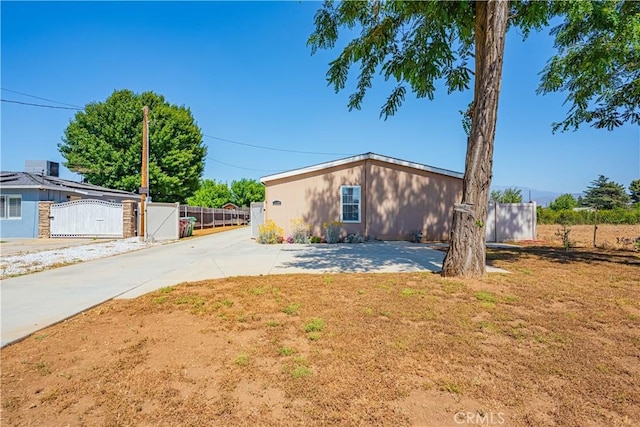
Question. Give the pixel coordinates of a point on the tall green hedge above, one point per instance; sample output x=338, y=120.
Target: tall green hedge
x=571, y=217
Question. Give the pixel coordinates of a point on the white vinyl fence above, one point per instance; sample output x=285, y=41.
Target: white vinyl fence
x=511, y=222
x=163, y=222
x=86, y=218
x=257, y=217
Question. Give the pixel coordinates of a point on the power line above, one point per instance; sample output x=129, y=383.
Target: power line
x=276, y=149
x=240, y=167
x=78, y=108
x=41, y=105
x=39, y=97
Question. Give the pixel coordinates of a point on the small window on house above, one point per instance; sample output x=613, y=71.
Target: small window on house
x=350, y=203
x=10, y=207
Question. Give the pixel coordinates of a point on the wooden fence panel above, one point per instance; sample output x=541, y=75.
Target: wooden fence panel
x=215, y=217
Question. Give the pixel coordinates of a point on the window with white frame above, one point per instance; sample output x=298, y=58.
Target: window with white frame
x=10, y=207
x=350, y=203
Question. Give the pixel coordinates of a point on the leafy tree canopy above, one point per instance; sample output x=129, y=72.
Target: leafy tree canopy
x=245, y=191
x=419, y=44
x=104, y=143
x=634, y=189
x=508, y=195
x=211, y=194
x=563, y=202
x=598, y=63
x=605, y=194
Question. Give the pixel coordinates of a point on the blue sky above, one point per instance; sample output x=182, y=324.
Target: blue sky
x=244, y=70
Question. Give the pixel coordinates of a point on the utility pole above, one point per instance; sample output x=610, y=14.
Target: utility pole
x=144, y=185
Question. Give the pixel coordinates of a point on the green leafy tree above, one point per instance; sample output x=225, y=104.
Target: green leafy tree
x=634, y=189
x=417, y=44
x=605, y=194
x=563, y=202
x=598, y=63
x=508, y=195
x=211, y=194
x=104, y=143
x=245, y=191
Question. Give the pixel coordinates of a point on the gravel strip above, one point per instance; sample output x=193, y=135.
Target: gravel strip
x=32, y=262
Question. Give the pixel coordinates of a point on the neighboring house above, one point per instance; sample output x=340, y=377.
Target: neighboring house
x=20, y=193
x=231, y=206
x=376, y=196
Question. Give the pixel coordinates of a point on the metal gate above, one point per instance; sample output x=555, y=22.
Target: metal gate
x=86, y=218
x=257, y=217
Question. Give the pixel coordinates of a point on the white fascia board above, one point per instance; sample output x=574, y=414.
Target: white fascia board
x=358, y=158
x=314, y=168
x=419, y=166
x=69, y=190
x=29, y=187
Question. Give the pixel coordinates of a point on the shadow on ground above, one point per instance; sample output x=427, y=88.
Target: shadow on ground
x=361, y=258
x=559, y=255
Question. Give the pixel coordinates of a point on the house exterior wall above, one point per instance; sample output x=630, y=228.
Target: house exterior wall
x=313, y=197
x=397, y=201
x=27, y=225
x=402, y=201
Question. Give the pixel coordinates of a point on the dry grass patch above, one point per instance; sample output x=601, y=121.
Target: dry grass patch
x=608, y=236
x=555, y=342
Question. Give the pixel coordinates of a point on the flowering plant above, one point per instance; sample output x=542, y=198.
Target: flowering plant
x=300, y=231
x=270, y=233
x=332, y=231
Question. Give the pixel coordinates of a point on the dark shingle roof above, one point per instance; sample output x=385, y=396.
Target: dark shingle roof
x=34, y=180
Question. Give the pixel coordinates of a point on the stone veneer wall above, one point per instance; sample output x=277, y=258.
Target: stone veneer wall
x=129, y=226
x=44, y=222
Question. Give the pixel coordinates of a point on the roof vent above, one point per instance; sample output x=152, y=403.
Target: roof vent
x=44, y=167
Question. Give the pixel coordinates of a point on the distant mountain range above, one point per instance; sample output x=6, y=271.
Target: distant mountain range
x=541, y=197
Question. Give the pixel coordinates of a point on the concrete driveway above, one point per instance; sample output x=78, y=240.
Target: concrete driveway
x=34, y=301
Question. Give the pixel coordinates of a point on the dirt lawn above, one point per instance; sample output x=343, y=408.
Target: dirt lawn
x=607, y=236
x=555, y=342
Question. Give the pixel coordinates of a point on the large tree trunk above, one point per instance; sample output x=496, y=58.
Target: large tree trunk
x=467, y=251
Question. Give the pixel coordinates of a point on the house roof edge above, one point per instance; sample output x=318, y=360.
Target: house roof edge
x=357, y=158
x=28, y=180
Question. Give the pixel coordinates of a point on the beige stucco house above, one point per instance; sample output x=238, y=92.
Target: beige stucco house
x=377, y=196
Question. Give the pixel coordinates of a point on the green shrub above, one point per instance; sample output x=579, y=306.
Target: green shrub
x=571, y=217
x=332, y=231
x=300, y=231
x=563, y=234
